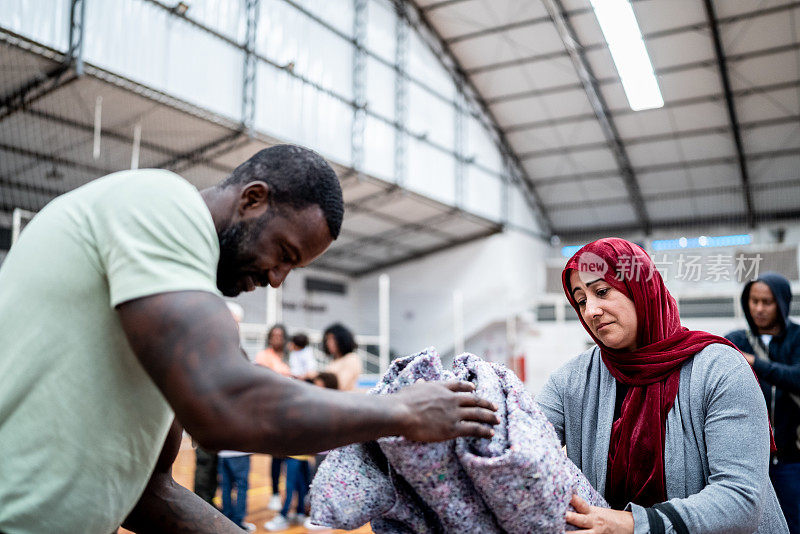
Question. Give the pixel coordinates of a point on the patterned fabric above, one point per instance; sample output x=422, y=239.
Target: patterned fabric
x=518, y=481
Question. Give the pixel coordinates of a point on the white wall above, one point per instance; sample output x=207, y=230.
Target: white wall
x=303, y=310
x=498, y=276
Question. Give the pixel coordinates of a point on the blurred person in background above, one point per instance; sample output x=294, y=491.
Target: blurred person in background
x=273, y=357
x=206, y=468
x=301, y=357
x=234, y=466
x=339, y=343
x=298, y=478
x=771, y=344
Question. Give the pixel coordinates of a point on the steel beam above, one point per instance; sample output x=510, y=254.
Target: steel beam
x=358, y=253
x=441, y=3
x=734, y=219
x=460, y=145
x=515, y=25
x=359, y=238
x=525, y=23
x=731, y=107
x=427, y=252
x=249, y=70
x=69, y=70
x=77, y=31
x=646, y=37
x=690, y=101
x=385, y=195
x=359, y=85
x=677, y=195
x=400, y=222
x=240, y=46
x=200, y=154
x=661, y=167
x=423, y=25
x=600, y=108
x=36, y=89
x=30, y=187
x=663, y=71
x=88, y=128
x=57, y=160
x=400, y=96
x=644, y=139
x=385, y=238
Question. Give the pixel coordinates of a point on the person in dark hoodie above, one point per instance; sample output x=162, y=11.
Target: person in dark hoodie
x=771, y=344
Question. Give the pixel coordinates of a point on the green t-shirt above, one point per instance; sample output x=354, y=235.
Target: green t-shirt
x=81, y=422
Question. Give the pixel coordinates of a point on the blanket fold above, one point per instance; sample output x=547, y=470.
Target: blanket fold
x=519, y=481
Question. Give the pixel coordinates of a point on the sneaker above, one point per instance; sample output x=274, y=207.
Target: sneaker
x=275, y=503
x=277, y=523
x=299, y=519
x=249, y=527
x=308, y=525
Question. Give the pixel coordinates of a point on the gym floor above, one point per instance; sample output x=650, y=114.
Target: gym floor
x=257, y=495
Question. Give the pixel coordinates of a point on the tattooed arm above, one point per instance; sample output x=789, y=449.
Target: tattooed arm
x=166, y=506
x=189, y=344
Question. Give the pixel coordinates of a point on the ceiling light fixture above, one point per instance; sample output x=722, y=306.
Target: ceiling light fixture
x=624, y=39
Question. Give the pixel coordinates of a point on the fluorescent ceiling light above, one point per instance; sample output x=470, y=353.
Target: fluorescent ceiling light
x=625, y=42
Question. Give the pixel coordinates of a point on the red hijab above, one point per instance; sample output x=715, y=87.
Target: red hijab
x=651, y=372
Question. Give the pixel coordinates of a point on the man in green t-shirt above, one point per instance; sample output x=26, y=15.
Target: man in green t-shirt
x=114, y=330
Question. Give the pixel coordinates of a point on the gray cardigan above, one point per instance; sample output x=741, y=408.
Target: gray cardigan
x=716, y=446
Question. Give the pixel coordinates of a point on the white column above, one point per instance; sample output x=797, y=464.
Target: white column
x=137, y=138
x=383, y=322
x=458, y=322
x=511, y=336
x=274, y=306
x=98, y=116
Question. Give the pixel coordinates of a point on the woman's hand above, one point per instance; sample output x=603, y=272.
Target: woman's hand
x=596, y=520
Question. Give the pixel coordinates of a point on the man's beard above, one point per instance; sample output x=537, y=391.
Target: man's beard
x=234, y=242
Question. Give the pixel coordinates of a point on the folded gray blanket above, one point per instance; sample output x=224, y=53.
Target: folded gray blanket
x=519, y=481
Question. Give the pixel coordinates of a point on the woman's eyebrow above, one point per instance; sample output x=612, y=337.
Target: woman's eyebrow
x=587, y=285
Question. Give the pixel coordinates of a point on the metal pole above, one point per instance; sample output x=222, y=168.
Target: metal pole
x=98, y=113
x=76, y=34
x=511, y=336
x=460, y=147
x=249, y=71
x=359, y=84
x=137, y=140
x=274, y=306
x=383, y=321
x=458, y=322
x=400, y=96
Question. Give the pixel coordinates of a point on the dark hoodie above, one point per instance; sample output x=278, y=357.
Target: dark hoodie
x=780, y=376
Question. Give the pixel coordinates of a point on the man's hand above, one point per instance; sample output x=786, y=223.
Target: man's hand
x=442, y=411
x=750, y=358
x=596, y=520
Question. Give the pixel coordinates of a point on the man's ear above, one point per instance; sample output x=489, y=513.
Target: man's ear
x=254, y=199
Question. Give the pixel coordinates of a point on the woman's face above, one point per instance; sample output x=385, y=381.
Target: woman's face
x=609, y=313
x=277, y=340
x=333, y=348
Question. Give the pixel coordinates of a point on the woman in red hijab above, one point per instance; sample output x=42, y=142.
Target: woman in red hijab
x=666, y=422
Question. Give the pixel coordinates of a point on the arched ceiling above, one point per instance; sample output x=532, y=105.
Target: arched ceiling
x=724, y=148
